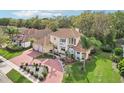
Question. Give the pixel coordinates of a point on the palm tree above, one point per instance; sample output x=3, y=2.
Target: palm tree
x=89, y=43
x=85, y=42
x=4, y=39
x=11, y=31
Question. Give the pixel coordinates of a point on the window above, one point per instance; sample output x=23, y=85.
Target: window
x=72, y=41
x=78, y=52
x=63, y=49
x=62, y=40
x=78, y=58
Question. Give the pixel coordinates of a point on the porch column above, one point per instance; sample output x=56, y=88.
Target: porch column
x=123, y=50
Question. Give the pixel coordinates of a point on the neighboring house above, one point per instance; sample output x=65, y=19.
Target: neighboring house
x=69, y=40
x=41, y=39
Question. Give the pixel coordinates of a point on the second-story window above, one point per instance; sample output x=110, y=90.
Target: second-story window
x=62, y=40
x=72, y=41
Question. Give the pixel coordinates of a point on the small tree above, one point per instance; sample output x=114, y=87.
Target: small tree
x=121, y=67
x=118, y=51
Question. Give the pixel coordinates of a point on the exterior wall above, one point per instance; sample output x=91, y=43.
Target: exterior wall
x=35, y=47
x=26, y=44
x=81, y=55
x=44, y=49
x=77, y=40
x=56, y=41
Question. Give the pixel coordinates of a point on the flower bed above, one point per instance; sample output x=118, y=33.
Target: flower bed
x=36, y=70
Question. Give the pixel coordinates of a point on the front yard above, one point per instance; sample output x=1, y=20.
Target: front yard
x=8, y=55
x=16, y=77
x=98, y=70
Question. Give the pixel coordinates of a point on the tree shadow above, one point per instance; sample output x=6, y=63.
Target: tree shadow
x=79, y=74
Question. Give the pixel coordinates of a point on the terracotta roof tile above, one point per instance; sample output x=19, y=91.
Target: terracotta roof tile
x=66, y=33
x=79, y=48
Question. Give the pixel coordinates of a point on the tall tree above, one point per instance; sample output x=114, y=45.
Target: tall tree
x=11, y=31
x=3, y=38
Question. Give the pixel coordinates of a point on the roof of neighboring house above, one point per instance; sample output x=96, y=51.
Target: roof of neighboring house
x=79, y=48
x=34, y=33
x=66, y=33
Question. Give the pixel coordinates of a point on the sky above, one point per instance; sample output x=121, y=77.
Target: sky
x=40, y=13
x=24, y=14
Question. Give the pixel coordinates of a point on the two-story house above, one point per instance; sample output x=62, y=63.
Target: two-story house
x=69, y=40
x=64, y=38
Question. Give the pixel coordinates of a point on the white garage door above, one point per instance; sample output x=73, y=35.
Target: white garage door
x=40, y=49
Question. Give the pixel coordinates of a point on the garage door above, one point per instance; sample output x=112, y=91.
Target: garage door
x=40, y=49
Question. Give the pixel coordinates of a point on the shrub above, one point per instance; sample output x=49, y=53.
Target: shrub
x=36, y=75
x=21, y=66
x=118, y=51
x=41, y=78
x=24, y=67
x=115, y=58
x=44, y=73
x=28, y=70
x=31, y=72
x=121, y=67
x=14, y=48
x=106, y=48
x=36, y=69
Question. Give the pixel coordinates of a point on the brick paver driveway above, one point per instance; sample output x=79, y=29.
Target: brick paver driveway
x=55, y=71
x=26, y=57
x=55, y=74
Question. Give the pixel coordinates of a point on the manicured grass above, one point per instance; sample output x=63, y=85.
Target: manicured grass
x=16, y=77
x=8, y=54
x=98, y=70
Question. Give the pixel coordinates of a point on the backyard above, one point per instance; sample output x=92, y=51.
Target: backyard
x=16, y=77
x=98, y=70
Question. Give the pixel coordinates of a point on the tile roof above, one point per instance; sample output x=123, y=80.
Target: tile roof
x=66, y=33
x=34, y=33
x=79, y=48
x=43, y=41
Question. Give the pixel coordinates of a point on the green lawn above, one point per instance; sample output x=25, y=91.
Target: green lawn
x=98, y=70
x=9, y=55
x=16, y=77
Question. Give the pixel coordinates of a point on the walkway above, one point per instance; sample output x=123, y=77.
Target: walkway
x=17, y=69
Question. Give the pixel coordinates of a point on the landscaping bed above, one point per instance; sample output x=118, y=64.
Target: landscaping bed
x=45, y=55
x=16, y=77
x=36, y=70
